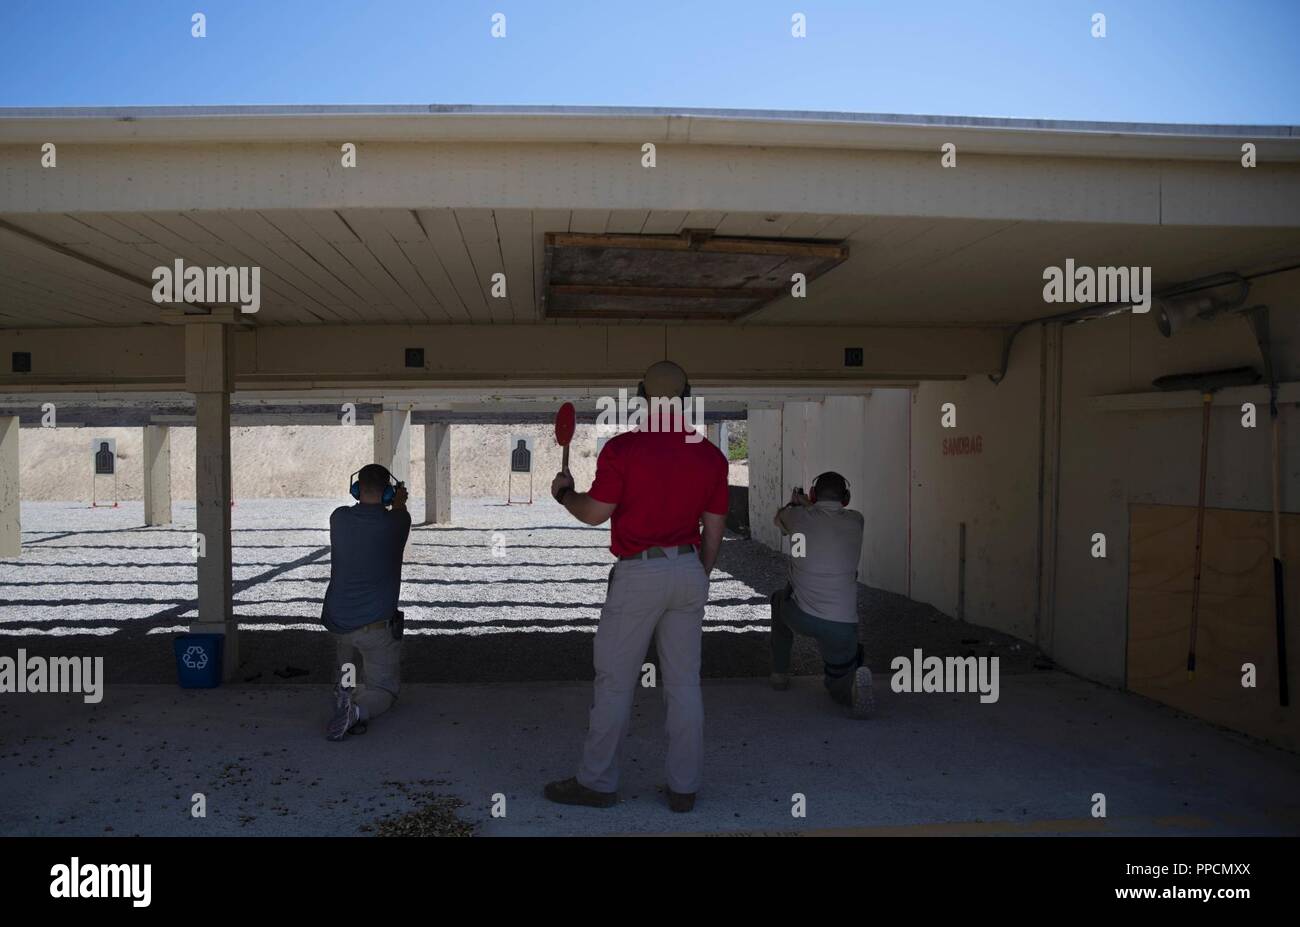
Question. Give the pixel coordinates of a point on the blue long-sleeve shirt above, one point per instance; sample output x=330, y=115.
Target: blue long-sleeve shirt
x=366, y=545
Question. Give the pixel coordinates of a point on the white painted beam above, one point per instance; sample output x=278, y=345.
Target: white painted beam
x=208, y=366
x=10, y=522
x=437, y=474
x=581, y=177
x=355, y=362
x=611, y=124
x=718, y=435
x=766, y=485
x=392, y=442
x=157, y=475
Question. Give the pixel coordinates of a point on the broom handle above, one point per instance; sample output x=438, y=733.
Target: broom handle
x=1277, y=493
x=1207, y=400
x=1279, y=574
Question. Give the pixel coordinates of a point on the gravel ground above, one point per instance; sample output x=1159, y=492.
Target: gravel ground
x=507, y=593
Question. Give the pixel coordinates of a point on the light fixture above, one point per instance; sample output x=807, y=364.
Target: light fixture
x=1199, y=300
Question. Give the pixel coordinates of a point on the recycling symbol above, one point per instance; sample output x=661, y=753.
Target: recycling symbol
x=195, y=657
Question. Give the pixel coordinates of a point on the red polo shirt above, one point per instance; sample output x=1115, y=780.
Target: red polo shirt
x=661, y=484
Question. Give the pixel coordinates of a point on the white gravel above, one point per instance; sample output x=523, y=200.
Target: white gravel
x=498, y=568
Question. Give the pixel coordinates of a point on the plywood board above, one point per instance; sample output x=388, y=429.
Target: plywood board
x=678, y=277
x=1236, y=623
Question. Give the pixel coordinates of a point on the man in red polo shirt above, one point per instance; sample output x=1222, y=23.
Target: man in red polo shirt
x=656, y=484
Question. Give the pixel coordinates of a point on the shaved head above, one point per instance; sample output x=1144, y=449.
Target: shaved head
x=665, y=380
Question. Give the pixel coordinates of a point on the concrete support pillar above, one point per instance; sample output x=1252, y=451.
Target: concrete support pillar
x=209, y=376
x=10, y=526
x=157, y=475
x=437, y=474
x=392, y=432
x=718, y=435
x=766, y=485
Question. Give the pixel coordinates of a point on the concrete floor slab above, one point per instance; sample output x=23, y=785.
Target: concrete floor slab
x=927, y=763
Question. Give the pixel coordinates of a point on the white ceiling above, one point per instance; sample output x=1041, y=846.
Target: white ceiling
x=352, y=266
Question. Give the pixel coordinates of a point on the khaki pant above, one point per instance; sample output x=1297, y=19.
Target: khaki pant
x=661, y=599
x=378, y=674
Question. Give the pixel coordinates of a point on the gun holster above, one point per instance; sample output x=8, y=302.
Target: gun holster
x=396, y=625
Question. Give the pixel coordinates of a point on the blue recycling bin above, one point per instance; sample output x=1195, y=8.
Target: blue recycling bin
x=198, y=660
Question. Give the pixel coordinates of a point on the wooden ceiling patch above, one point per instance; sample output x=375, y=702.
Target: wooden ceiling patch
x=692, y=276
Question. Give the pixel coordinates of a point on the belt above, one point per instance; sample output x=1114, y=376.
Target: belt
x=382, y=623
x=654, y=552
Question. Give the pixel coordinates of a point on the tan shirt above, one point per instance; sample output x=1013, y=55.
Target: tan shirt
x=825, y=578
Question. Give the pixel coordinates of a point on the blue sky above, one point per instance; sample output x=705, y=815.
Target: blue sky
x=1236, y=61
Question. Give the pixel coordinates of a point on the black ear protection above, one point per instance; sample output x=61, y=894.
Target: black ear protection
x=390, y=491
x=812, y=492
x=640, y=390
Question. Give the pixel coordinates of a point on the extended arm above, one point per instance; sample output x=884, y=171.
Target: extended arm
x=797, y=498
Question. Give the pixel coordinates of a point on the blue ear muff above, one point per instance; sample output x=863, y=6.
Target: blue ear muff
x=812, y=491
x=390, y=491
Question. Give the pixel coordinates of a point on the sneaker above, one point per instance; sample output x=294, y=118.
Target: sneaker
x=863, y=700
x=680, y=802
x=779, y=681
x=345, y=716
x=572, y=792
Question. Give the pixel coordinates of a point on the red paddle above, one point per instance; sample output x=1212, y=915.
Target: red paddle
x=565, y=422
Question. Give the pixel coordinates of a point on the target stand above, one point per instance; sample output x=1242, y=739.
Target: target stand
x=519, y=461
x=103, y=460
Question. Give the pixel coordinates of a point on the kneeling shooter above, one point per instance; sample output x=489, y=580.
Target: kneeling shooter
x=367, y=541
x=821, y=599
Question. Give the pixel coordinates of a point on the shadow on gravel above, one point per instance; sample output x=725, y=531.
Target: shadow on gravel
x=889, y=625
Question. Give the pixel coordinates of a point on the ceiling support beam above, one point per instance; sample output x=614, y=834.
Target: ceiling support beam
x=374, y=357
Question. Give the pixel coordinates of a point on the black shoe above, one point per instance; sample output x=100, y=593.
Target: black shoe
x=572, y=792
x=680, y=802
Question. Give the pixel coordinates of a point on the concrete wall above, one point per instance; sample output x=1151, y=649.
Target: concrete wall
x=882, y=494
x=994, y=492
x=1110, y=459
x=861, y=437
x=900, y=459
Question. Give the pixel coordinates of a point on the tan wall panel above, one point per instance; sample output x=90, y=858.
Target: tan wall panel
x=1236, y=623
